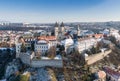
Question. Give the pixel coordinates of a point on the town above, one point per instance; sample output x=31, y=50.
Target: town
x=59, y=40
x=59, y=52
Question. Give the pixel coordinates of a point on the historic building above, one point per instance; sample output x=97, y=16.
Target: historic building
x=59, y=31
x=78, y=30
x=44, y=43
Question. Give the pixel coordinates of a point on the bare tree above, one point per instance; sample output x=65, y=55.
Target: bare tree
x=113, y=39
x=52, y=52
x=23, y=48
x=77, y=58
x=98, y=46
x=38, y=54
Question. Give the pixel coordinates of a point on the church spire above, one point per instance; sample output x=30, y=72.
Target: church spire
x=78, y=27
x=62, y=24
x=78, y=30
x=56, y=24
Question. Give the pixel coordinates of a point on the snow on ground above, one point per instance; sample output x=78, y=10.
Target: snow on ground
x=58, y=57
x=47, y=58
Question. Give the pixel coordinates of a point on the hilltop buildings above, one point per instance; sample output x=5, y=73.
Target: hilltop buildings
x=70, y=39
x=34, y=47
x=44, y=43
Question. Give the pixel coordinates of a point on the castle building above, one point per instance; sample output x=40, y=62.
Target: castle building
x=59, y=31
x=44, y=43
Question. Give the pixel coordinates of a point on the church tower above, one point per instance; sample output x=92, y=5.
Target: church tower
x=62, y=31
x=56, y=29
x=78, y=30
x=62, y=28
x=59, y=31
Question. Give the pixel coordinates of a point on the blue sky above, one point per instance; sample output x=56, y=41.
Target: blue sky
x=41, y=11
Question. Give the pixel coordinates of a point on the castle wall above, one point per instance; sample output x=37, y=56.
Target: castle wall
x=27, y=59
x=48, y=62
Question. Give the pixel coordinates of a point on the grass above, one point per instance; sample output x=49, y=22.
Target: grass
x=21, y=77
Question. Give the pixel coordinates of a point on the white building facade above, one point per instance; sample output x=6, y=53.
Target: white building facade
x=42, y=46
x=44, y=43
x=85, y=44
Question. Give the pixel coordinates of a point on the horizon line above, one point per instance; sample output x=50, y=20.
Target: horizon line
x=60, y=21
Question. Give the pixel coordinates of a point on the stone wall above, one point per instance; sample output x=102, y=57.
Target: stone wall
x=26, y=58
x=47, y=62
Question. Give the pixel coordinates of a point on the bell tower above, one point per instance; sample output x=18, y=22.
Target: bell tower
x=56, y=29
x=78, y=30
x=62, y=28
x=59, y=31
x=62, y=31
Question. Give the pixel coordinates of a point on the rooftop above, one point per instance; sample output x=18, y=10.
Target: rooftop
x=48, y=38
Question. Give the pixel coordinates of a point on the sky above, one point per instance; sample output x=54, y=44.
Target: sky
x=47, y=11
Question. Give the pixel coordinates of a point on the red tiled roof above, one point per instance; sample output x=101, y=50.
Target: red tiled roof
x=48, y=38
x=98, y=35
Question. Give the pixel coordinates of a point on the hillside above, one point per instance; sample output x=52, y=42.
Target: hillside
x=112, y=59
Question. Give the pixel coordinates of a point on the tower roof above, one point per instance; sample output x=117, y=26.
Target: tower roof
x=56, y=24
x=62, y=24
